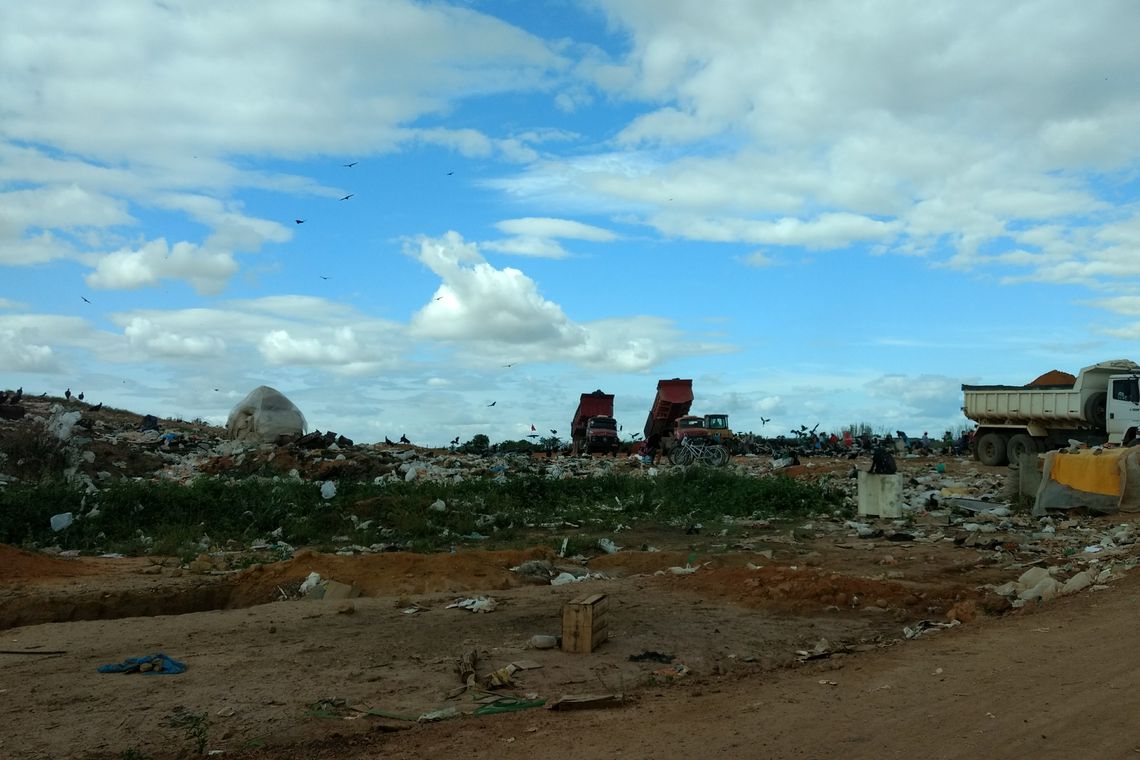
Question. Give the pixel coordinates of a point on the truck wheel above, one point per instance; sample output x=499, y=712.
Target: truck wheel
x=1096, y=407
x=991, y=449
x=1021, y=444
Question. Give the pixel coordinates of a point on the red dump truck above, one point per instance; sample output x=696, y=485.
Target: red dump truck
x=594, y=427
x=669, y=420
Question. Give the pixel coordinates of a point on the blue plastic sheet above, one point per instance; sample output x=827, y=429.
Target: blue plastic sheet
x=167, y=666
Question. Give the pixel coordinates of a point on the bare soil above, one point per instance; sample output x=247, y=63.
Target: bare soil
x=274, y=676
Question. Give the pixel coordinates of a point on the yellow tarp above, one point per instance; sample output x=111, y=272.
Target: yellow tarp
x=1089, y=472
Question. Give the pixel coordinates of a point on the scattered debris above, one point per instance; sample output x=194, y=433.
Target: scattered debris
x=474, y=604
x=587, y=701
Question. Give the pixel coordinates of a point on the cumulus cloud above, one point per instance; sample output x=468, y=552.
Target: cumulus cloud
x=130, y=269
x=932, y=396
x=502, y=313
x=18, y=354
x=941, y=135
x=143, y=333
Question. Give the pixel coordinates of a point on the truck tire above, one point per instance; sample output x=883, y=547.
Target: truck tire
x=1019, y=444
x=991, y=449
x=1096, y=408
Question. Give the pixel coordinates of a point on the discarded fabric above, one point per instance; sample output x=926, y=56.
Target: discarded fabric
x=150, y=665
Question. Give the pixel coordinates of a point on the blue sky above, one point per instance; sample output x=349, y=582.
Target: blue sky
x=822, y=212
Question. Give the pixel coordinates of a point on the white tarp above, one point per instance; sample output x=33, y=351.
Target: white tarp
x=265, y=415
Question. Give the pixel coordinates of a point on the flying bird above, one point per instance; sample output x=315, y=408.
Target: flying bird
x=455, y=441
x=349, y=166
x=85, y=299
x=215, y=390
x=345, y=198
x=508, y=366
x=765, y=420
x=492, y=403
x=299, y=221
x=439, y=298
x=554, y=432
x=533, y=435
x=322, y=277
x=450, y=173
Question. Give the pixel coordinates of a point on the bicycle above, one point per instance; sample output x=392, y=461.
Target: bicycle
x=688, y=451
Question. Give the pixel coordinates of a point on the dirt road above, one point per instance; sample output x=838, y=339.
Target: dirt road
x=1061, y=682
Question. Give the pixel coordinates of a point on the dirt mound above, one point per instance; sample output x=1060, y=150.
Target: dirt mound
x=1053, y=377
x=389, y=574
x=19, y=565
x=805, y=589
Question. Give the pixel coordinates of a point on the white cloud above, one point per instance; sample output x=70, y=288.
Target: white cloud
x=18, y=354
x=142, y=333
x=546, y=227
x=499, y=314
x=759, y=258
x=130, y=269
x=535, y=247
x=535, y=236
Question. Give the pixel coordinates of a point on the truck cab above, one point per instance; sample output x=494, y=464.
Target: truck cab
x=690, y=426
x=601, y=435
x=1122, y=407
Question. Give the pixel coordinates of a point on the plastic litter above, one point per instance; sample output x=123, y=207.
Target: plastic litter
x=61, y=521
x=328, y=490
x=608, y=546
x=474, y=604
x=150, y=665
x=310, y=583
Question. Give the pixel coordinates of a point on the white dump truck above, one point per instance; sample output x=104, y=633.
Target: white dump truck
x=1102, y=406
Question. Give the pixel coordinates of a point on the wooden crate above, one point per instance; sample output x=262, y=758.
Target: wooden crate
x=584, y=623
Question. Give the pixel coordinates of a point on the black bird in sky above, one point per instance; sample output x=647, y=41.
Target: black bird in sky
x=85, y=299
x=404, y=439
x=554, y=432
x=345, y=198
x=215, y=390
x=533, y=435
x=439, y=298
x=450, y=173
x=765, y=420
x=508, y=366
x=492, y=403
x=349, y=166
x=322, y=277
x=299, y=221
x=455, y=441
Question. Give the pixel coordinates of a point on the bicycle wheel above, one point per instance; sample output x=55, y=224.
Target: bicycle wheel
x=718, y=456
x=683, y=455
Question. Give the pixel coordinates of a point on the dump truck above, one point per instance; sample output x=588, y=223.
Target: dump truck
x=593, y=427
x=669, y=420
x=1101, y=406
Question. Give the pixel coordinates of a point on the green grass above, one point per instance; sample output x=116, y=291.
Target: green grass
x=163, y=517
